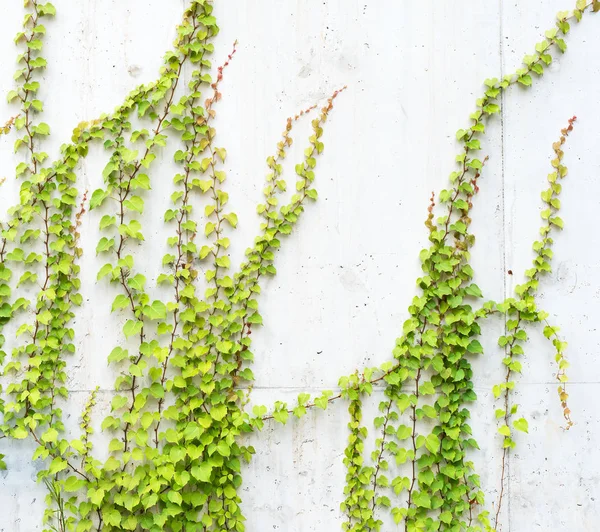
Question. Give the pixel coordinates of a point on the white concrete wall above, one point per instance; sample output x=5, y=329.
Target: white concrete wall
x=346, y=276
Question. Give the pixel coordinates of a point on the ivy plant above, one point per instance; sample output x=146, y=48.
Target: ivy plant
x=180, y=414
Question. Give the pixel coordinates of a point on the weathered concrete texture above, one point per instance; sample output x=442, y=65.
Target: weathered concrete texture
x=346, y=277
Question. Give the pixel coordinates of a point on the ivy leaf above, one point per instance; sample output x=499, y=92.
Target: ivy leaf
x=121, y=301
x=409, y=326
x=218, y=412
x=525, y=80
x=135, y=370
x=432, y=442
x=98, y=197
x=57, y=465
x=140, y=181
x=281, y=416
x=110, y=515
x=504, y=430
x=137, y=282
x=202, y=472
x=429, y=411
x=222, y=153
x=96, y=496
x=223, y=449
x=47, y=9
x=115, y=445
x=259, y=410
x=403, y=432
x=105, y=270
x=323, y=401
x=107, y=221
x=5, y=310
x=73, y=484
x=50, y=436
x=232, y=219
x=135, y=203
x=422, y=499
x=132, y=327
x=105, y=244
x=156, y=311
x=521, y=424
x=157, y=390
x=473, y=290
x=19, y=433
x=117, y=354
x=223, y=261
x=475, y=347
x=118, y=401
x=175, y=497
x=255, y=318
x=42, y=129
x=147, y=161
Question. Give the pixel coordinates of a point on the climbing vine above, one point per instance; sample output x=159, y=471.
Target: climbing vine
x=180, y=413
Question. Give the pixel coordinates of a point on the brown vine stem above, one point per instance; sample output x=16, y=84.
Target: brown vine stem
x=25, y=99
x=215, y=196
x=354, y=408
x=55, y=454
x=462, y=246
x=45, y=218
x=380, y=453
x=74, y=228
x=546, y=241
x=179, y=261
x=25, y=108
x=122, y=238
x=472, y=502
x=414, y=445
x=506, y=422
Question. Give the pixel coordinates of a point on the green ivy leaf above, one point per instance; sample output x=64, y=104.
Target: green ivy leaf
x=135, y=203
x=117, y=354
x=202, y=472
x=98, y=197
x=432, y=442
x=504, y=430
x=521, y=424
x=156, y=311
x=121, y=301
x=475, y=347
x=132, y=327
x=403, y=432
x=223, y=449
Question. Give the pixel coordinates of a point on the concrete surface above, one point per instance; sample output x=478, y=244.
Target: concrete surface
x=345, y=278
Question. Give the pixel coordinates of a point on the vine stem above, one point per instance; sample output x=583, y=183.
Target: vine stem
x=529, y=292
x=183, y=212
x=414, y=445
x=55, y=454
x=215, y=197
x=25, y=99
x=506, y=422
x=122, y=198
